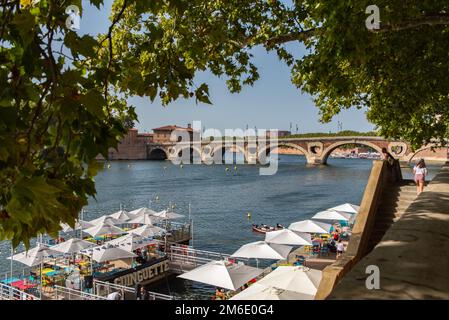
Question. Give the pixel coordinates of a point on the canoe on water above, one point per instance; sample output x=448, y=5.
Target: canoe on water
x=265, y=229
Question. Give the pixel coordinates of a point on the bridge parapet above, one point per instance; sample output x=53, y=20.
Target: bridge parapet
x=316, y=149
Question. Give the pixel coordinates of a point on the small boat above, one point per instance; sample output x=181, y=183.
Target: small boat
x=264, y=228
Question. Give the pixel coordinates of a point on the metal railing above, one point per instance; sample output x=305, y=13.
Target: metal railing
x=11, y=293
x=63, y=293
x=192, y=258
x=103, y=288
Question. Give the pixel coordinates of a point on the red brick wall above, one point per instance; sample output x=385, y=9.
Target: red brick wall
x=132, y=147
x=440, y=154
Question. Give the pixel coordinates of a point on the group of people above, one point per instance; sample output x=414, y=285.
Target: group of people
x=419, y=170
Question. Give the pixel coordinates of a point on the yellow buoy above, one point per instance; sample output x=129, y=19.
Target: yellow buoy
x=248, y=215
x=227, y=169
x=235, y=168
x=109, y=166
x=181, y=166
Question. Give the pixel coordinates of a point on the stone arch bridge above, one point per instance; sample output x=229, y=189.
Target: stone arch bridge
x=316, y=150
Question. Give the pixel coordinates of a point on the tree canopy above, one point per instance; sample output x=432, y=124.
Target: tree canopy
x=63, y=97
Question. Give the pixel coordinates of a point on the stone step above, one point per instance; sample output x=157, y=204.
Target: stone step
x=410, y=196
x=392, y=209
x=395, y=201
x=398, y=198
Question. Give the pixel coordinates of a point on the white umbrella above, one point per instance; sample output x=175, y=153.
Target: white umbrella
x=105, y=219
x=332, y=215
x=130, y=242
x=73, y=245
x=145, y=219
x=288, y=237
x=299, y=279
x=35, y=256
x=104, y=229
x=108, y=253
x=310, y=226
x=346, y=207
x=80, y=224
x=263, y=250
x=141, y=211
x=148, y=231
x=167, y=215
x=222, y=274
x=258, y=291
x=121, y=215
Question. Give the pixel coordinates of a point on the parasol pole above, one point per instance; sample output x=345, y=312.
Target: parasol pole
x=191, y=224
x=12, y=257
x=40, y=291
x=189, y=210
x=81, y=229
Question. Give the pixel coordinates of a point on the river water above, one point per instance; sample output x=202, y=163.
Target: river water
x=220, y=199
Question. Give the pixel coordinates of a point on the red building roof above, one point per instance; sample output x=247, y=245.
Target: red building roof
x=172, y=128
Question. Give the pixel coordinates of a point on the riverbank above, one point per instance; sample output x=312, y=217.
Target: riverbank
x=413, y=255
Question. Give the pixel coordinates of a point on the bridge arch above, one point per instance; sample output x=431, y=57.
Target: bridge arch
x=413, y=154
x=222, y=148
x=263, y=152
x=194, y=152
x=327, y=151
x=157, y=153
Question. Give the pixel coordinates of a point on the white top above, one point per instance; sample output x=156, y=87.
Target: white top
x=418, y=170
x=340, y=246
x=114, y=296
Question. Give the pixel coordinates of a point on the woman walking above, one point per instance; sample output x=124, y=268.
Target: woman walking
x=420, y=172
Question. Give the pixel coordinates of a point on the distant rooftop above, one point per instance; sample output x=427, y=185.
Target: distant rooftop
x=171, y=128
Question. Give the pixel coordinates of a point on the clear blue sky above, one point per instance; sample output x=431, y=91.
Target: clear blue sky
x=272, y=103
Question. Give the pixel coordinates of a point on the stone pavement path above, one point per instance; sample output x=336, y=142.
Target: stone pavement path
x=413, y=255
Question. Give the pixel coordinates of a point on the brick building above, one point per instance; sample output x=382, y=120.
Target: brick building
x=134, y=144
x=163, y=134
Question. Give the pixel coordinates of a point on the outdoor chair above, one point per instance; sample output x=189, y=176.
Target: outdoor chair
x=300, y=261
x=308, y=250
x=324, y=250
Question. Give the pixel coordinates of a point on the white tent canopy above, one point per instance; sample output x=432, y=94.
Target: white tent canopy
x=148, y=231
x=258, y=291
x=299, y=279
x=121, y=215
x=105, y=219
x=131, y=242
x=107, y=253
x=104, y=229
x=346, y=207
x=310, y=226
x=73, y=245
x=145, y=219
x=80, y=224
x=263, y=250
x=332, y=215
x=288, y=237
x=168, y=215
x=141, y=211
x=35, y=256
x=222, y=274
